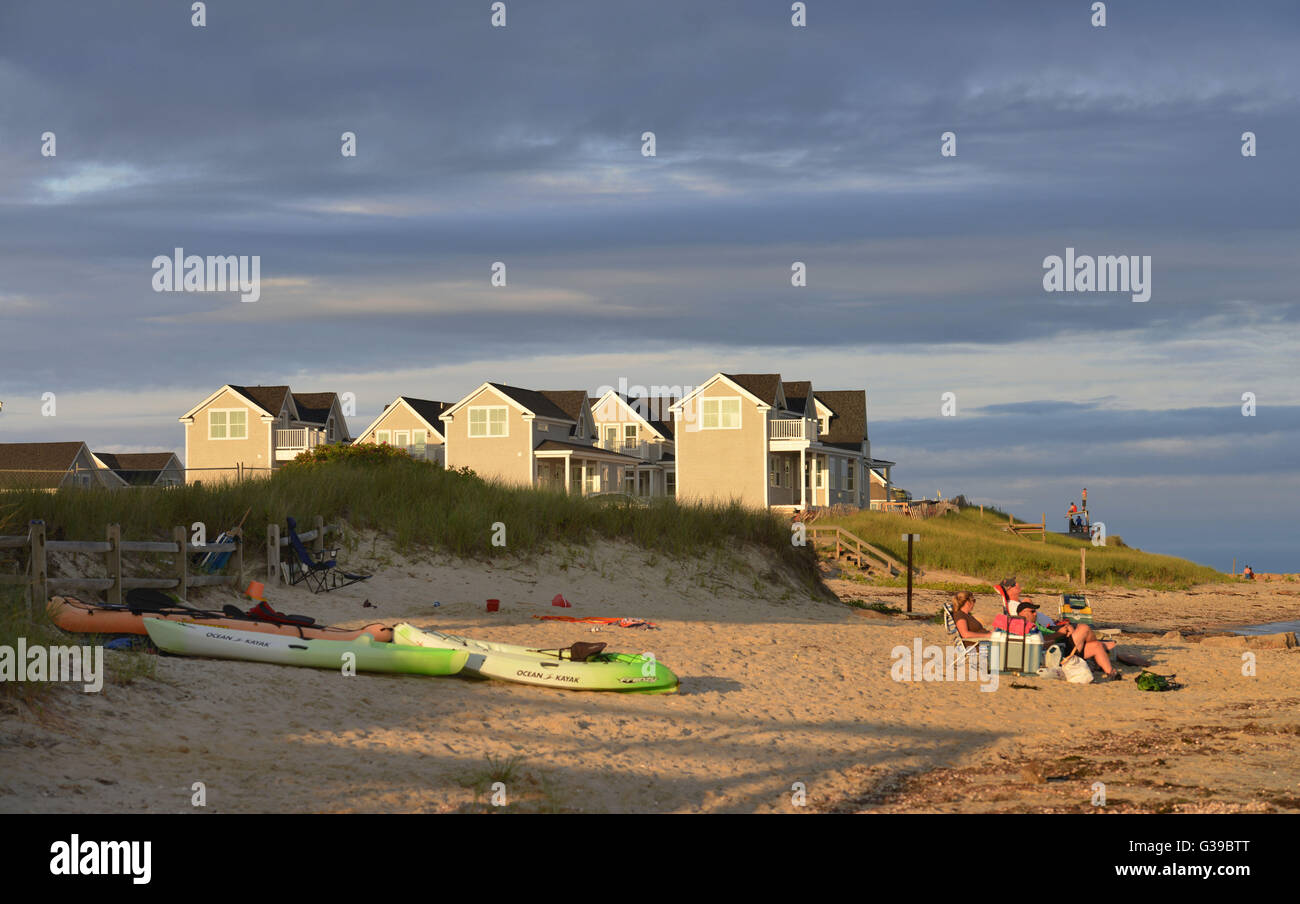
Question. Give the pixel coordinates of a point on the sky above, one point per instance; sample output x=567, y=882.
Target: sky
x=773, y=144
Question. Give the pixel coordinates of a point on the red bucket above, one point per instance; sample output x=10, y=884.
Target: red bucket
x=493, y=605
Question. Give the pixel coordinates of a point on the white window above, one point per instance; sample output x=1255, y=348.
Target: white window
x=825, y=424
x=228, y=423
x=401, y=438
x=611, y=436
x=383, y=437
x=488, y=421
x=420, y=443
x=821, y=478
x=329, y=429
x=720, y=414
x=629, y=482
x=629, y=435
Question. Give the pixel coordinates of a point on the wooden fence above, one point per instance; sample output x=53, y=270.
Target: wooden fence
x=851, y=546
x=33, y=550
x=1028, y=528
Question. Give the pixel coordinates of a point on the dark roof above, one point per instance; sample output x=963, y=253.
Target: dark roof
x=654, y=409
x=141, y=468
x=879, y=462
x=765, y=386
x=570, y=401
x=313, y=407
x=848, y=426
x=36, y=457
x=796, y=396
x=534, y=401
x=428, y=409
x=269, y=398
x=555, y=445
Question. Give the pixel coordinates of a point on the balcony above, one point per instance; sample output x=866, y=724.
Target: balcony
x=792, y=429
x=296, y=440
x=635, y=448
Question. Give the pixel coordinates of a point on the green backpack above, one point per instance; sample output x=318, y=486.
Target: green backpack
x=1150, y=681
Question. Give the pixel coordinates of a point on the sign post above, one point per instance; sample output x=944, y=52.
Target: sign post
x=909, y=538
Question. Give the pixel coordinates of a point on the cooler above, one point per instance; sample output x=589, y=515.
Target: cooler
x=1016, y=653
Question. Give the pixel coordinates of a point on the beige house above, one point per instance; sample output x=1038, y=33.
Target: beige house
x=143, y=469
x=51, y=466
x=531, y=438
x=769, y=443
x=249, y=430
x=411, y=424
x=641, y=428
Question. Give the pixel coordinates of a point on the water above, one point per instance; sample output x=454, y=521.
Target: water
x=1276, y=627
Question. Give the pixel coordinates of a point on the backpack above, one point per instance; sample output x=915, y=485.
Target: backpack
x=1150, y=681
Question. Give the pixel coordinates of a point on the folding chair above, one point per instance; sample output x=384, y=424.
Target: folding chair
x=319, y=572
x=965, y=647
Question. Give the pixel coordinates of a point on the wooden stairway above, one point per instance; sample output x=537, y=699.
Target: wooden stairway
x=857, y=550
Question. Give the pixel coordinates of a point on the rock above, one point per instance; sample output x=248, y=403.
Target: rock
x=1252, y=641
x=1172, y=637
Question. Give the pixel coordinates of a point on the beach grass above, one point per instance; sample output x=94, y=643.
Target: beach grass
x=965, y=543
x=416, y=504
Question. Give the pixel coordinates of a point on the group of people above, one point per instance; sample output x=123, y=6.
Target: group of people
x=1078, y=638
x=1077, y=515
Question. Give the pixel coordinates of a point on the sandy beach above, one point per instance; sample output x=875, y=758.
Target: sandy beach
x=777, y=689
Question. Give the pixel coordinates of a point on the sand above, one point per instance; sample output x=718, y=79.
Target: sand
x=787, y=705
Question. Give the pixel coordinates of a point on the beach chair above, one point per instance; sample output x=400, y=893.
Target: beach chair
x=964, y=647
x=319, y=571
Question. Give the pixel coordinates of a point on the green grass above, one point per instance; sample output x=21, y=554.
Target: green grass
x=965, y=543
x=416, y=504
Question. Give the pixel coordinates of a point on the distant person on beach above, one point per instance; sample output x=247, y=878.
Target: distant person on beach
x=968, y=626
x=1074, y=509
x=1248, y=574
x=1085, y=499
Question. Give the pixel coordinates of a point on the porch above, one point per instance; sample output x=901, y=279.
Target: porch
x=290, y=443
x=579, y=470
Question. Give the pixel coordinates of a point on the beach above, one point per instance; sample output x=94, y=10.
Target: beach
x=786, y=704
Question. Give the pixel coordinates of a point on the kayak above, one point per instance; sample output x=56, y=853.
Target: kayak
x=72, y=614
x=626, y=672
x=191, y=639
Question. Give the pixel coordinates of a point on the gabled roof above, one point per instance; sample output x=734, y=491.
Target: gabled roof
x=765, y=386
x=570, y=401
x=848, y=424
x=269, y=398
x=314, y=407
x=645, y=408
x=426, y=410
x=681, y=404
x=535, y=402
x=138, y=467
x=797, y=394
x=56, y=458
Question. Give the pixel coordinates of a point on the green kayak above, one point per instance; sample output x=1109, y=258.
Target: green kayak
x=627, y=672
x=368, y=654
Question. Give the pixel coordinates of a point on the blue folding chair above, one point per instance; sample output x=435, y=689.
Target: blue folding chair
x=320, y=573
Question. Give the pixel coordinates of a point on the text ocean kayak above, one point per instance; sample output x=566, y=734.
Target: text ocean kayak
x=627, y=672
x=191, y=639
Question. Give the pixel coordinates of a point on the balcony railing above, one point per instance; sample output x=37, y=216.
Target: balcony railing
x=635, y=448
x=289, y=443
x=796, y=428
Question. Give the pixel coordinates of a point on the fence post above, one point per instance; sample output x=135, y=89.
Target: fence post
x=273, y=554
x=1083, y=566
x=113, y=562
x=181, y=567
x=37, y=588
x=318, y=545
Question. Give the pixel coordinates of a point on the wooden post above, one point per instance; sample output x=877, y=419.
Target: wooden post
x=272, y=554
x=909, y=538
x=38, y=588
x=318, y=545
x=981, y=513
x=239, y=561
x=1044, y=527
x=1234, y=566
x=1083, y=566
x=113, y=562
x=181, y=566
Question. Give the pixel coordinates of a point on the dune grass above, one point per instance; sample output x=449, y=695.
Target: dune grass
x=416, y=504
x=965, y=543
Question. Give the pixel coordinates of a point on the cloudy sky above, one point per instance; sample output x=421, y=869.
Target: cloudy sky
x=774, y=144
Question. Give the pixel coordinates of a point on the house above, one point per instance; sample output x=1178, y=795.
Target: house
x=148, y=469
x=770, y=443
x=52, y=466
x=243, y=430
x=411, y=424
x=641, y=428
x=881, y=483
x=526, y=437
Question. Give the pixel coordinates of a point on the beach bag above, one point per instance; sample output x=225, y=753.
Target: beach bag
x=1052, y=672
x=1150, y=681
x=1052, y=657
x=1077, y=670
